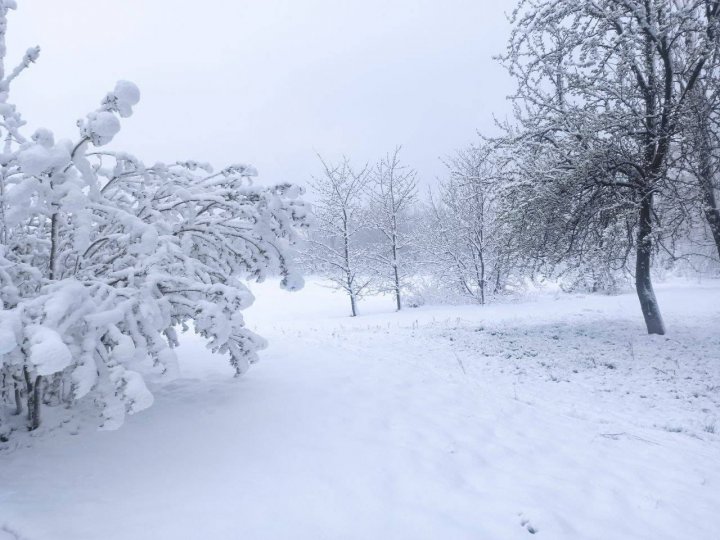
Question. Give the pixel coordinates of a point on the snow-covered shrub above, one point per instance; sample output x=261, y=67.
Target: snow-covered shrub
x=102, y=257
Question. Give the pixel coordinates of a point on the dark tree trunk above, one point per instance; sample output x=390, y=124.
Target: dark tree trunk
x=28, y=393
x=712, y=214
x=398, y=300
x=37, y=402
x=18, y=400
x=707, y=187
x=53, y=245
x=34, y=399
x=703, y=140
x=482, y=278
x=643, y=280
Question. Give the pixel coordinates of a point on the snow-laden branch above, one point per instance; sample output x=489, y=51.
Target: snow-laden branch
x=102, y=259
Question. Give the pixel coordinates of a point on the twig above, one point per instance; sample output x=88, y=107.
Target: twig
x=460, y=363
x=616, y=436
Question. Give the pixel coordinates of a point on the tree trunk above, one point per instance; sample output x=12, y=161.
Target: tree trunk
x=37, y=402
x=398, y=301
x=348, y=268
x=643, y=281
x=396, y=271
x=18, y=400
x=707, y=188
x=34, y=399
x=353, y=306
x=53, y=245
x=28, y=393
x=351, y=294
x=479, y=268
x=703, y=150
x=712, y=215
x=482, y=277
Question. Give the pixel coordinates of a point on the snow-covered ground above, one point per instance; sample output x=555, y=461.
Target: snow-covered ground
x=557, y=416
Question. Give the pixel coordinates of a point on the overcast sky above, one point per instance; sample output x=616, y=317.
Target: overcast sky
x=270, y=82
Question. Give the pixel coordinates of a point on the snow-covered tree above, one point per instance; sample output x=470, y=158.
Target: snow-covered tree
x=701, y=156
x=603, y=86
x=103, y=258
x=464, y=240
x=558, y=222
x=334, y=246
x=392, y=189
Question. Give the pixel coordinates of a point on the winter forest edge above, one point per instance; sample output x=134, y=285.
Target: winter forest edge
x=565, y=194
x=602, y=182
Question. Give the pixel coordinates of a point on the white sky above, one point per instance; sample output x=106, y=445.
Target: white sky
x=270, y=82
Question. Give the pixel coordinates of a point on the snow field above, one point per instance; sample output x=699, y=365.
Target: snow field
x=556, y=417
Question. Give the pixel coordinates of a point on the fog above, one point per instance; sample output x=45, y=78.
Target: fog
x=271, y=83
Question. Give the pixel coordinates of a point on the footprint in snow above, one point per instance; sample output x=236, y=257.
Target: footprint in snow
x=525, y=522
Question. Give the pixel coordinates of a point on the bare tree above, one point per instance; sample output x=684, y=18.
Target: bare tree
x=334, y=245
x=392, y=192
x=702, y=160
x=464, y=239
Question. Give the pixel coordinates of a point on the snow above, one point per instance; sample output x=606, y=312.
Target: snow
x=101, y=127
x=48, y=353
x=135, y=393
x=127, y=92
x=84, y=375
x=44, y=137
x=8, y=339
x=292, y=282
x=125, y=95
x=37, y=158
x=556, y=416
x=9, y=534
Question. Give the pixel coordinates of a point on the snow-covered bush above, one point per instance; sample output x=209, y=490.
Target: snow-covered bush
x=103, y=257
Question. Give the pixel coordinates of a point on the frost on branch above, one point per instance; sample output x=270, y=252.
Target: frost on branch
x=103, y=259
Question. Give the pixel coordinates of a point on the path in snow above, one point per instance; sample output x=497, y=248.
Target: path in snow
x=556, y=417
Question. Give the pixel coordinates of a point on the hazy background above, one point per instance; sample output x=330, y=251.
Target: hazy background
x=270, y=82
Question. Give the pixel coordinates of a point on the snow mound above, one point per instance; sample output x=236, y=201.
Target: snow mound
x=48, y=352
x=101, y=127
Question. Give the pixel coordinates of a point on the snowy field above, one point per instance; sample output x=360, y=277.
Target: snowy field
x=557, y=417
